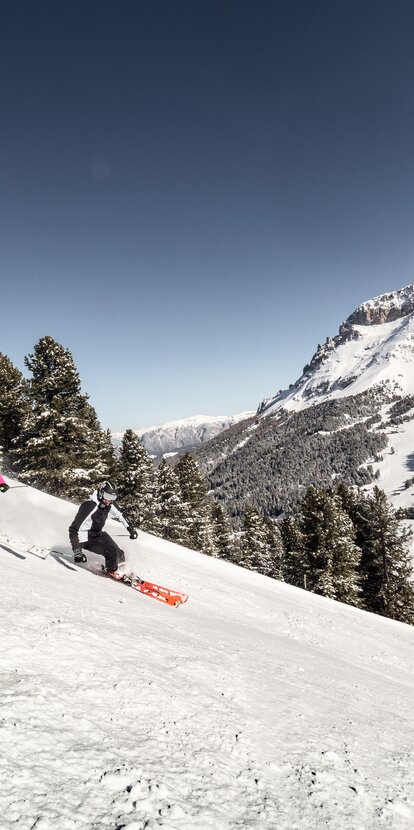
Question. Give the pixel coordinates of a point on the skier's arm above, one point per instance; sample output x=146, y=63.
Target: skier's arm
x=116, y=514
x=80, y=517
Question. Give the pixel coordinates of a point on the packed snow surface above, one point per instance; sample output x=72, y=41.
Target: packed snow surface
x=254, y=705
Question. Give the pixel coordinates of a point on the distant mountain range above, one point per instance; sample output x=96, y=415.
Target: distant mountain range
x=186, y=435
x=349, y=416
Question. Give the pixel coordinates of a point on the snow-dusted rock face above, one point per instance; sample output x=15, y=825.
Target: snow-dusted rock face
x=385, y=308
x=375, y=345
x=186, y=434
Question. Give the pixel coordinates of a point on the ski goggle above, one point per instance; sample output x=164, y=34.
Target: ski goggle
x=108, y=496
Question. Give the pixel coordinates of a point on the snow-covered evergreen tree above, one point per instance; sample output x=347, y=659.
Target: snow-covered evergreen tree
x=386, y=567
x=14, y=405
x=57, y=449
x=136, y=482
x=222, y=532
x=332, y=555
x=197, y=508
x=295, y=565
x=255, y=553
x=170, y=512
x=275, y=548
x=106, y=463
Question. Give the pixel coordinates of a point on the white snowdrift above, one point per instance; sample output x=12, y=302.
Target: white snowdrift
x=255, y=705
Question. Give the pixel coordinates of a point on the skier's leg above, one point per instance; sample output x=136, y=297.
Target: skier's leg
x=114, y=556
x=105, y=546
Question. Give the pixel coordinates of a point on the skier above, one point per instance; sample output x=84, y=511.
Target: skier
x=3, y=486
x=86, y=531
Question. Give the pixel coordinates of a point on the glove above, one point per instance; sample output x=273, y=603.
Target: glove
x=79, y=555
x=4, y=487
x=133, y=534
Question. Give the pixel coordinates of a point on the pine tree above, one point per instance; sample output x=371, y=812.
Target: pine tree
x=14, y=405
x=295, y=564
x=93, y=459
x=136, y=482
x=255, y=547
x=57, y=449
x=275, y=548
x=102, y=448
x=353, y=501
x=170, y=512
x=194, y=498
x=193, y=488
x=222, y=532
x=386, y=567
x=331, y=552
x=348, y=497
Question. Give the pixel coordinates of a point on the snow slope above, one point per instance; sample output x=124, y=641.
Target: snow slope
x=255, y=705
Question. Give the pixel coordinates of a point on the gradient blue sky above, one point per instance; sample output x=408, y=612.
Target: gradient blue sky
x=194, y=193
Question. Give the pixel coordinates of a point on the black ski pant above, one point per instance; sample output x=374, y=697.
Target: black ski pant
x=102, y=544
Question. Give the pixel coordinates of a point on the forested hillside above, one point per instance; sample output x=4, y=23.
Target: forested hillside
x=270, y=463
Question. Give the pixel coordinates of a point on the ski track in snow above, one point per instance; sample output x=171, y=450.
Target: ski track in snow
x=253, y=706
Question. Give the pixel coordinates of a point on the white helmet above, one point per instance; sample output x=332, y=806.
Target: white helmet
x=107, y=491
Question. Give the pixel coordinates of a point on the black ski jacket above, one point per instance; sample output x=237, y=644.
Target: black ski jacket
x=90, y=519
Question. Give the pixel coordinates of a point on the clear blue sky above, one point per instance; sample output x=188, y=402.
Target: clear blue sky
x=194, y=194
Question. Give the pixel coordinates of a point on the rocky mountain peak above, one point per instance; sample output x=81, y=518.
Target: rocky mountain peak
x=359, y=356
x=384, y=309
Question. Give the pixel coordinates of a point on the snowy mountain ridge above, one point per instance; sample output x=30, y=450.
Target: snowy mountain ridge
x=375, y=346
x=360, y=382
x=385, y=307
x=183, y=435
x=373, y=350
x=254, y=706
